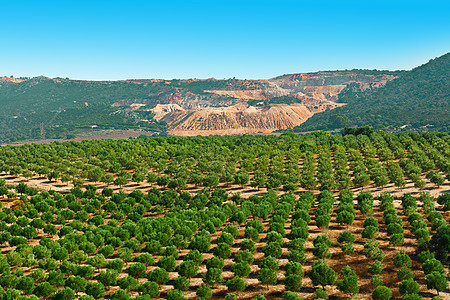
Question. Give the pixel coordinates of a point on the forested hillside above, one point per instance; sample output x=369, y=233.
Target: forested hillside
x=58, y=108
x=42, y=108
x=416, y=100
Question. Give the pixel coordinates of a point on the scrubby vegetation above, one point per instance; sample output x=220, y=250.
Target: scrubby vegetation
x=275, y=100
x=41, y=107
x=44, y=108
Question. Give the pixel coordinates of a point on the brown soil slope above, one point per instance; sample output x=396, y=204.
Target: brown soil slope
x=236, y=119
x=315, y=92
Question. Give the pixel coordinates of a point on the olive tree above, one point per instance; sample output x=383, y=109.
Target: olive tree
x=267, y=276
x=381, y=293
x=349, y=283
x=436, y=280
x=322, y=274
x=236, y=284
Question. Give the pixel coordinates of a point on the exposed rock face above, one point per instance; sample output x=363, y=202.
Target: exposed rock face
x=210, y=106
x=15, y=80
x=243, y=95
x=318, y=94
x=163, y=109
x=236, y=119
x=225, y=111
x=309, y=87
x=270, y=90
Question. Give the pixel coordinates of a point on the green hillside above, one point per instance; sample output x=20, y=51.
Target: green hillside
x=45, y=94
x=56, y=108
x=42, y=107
x=419, y=99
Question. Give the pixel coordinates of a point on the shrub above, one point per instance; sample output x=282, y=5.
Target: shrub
x=381, y=293
x=236, y=284
x=408, y=286
x=225, y=237
x=440, y=243
x=437, y=281
x=346, y=237
x=120, y=294
x=137, y=270
x=149, y=288
x=248, y=244
x=272, y=249
x=222, y=250
x=293, y=282
x=65, y=293
x=322, y=274
x=293, y=268
x=158, y=275
x=376, y=267
x=267, y=276
x=200, y=243
x=188, y=268
x=241, y=269
x=215, y=262
x=376, y=280
x=76, y=283
x=291, y=296
x=44, y=290
x=245, y=255
x=231, y=297
x=370, y=221
x=204, y=291
x=431, y=265
x=251, y=233
x=94, y=289
x=26, y=284
x=181, y=283
x=404, y=273
x=321, y=294
x=167, y=262
x=369, y=232
x=269, y=262
x=213, y=276
x=350, y=282
x=146, y=259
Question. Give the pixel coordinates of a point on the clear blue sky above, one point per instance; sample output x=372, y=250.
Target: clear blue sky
x=217, y=38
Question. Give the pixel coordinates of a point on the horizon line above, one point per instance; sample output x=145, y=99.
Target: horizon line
x=200, y=79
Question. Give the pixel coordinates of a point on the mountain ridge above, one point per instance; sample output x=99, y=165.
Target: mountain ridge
x=43, y=107
x=419, y=99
